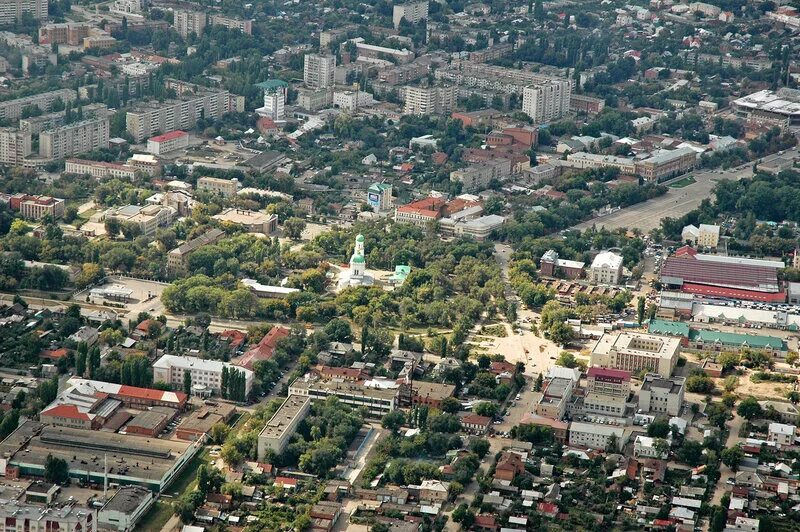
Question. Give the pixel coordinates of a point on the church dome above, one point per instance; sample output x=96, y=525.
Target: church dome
x=358, y=259
x=360, y=238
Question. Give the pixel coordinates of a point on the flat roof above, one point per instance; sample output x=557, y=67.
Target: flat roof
x=284, y=417
x=335, y=386
x=127, y=499
x=148, y=419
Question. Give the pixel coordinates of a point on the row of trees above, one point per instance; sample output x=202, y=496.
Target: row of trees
x=233, y=385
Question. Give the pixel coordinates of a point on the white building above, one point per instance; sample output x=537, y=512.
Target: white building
x=607, y=391
x=635, y=352
x=208, y=373
x=704, y=236
x=15, y=145
x=352, y=100
x=595, y=436
x=429, y=100
x=73, y=139
x=319, y=71
x=224, y=187
x=168, y=142
x=125, y=508
x=282, y=425
x=781, y=434
x=606, y=268
x=645, y=447
x=275, y=94
x=547, y=101
x=187, y=22
x=411, y=11
x=661, y=396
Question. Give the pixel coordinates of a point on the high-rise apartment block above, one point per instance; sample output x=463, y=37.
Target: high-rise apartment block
x=145, y=121
x=14, y=146
x=319, y=70
x=74, y=139
x=275, y=94
x=546, y=101
x=187, y=22
x=12, y=109
x=412, y=11
x=430, y=100
x=11, y=11
x=243, y=25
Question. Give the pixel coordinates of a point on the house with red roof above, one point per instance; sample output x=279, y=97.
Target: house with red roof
x=263, y=350
x=235, y=339
x=486, y=523
x=68, y=416
x=548, y=508
x=476, y=424
x=509, y=465
x=54, y=354
x=286, y=483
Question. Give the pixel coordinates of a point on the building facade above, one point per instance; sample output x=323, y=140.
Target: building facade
x=168, y=142
x=187, y=22
x=11, y=11
x=319, y=71
x=661, y=395
x=636, y=352
x=74, y=139
x=282, y=425
x=607, y=391
x=171, y=368
x=12, y=109
x=15, y=145
x=413, y=12
x=429, y=100
x=548, y=101
x=232, y=23
x=36, y=207
x=606, y=268
x=226, y=188
x=146, y=120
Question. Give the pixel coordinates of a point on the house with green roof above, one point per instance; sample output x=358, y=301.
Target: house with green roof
x=676, y=329
x=708, y=340
x=401, y=271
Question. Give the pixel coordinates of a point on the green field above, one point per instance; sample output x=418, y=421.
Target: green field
x=686, y=181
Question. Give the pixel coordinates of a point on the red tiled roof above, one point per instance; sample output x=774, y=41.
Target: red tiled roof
x=265, y=349
x=148, y=393
x=609, y=373
x=172, y=135
x=688, y=268
x=485, y=520
x=330, y=371
x=734, y=293
x=66, y=411
x=54, y=354
x=428, y=206
x=144, y=326
x=473, y=419
x=286, y=481
x=501, y=366
x=547, y=508
x=234, y=337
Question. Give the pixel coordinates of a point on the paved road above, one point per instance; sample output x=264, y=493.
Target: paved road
x=674, y=204
x=725, y=473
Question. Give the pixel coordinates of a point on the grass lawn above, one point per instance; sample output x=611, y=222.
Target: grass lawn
x=686, y=181
x=157, y=516
x=186, y=480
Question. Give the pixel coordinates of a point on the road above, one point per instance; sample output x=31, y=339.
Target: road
x=725, y=473
x=674, y=204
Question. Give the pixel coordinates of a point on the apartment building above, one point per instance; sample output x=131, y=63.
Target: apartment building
x=148, y=218
x=371, y=51
x=36, y=124
x=586, y=104
x=668, y=163
x=12, y=109
x=548, y=101
x=232, y=23
x=556, y=395
x=36, y=207
x=781, y=434
x=71, y=33
x=168, y=142
x=607, y=391
x=176, y=258
x=73, y=139
x=594, y=436
x=20, y=516
x=377, y=400
x=187, y=22
x=275, y=95
x=282, y=425
x=99, y=169
x=319, y=71
x=429, y=100
x=411, y=11
x=15, y=145
x=606, y=268
x=148, y=119
x=661, y=395
x=170, y=369
x=497, y=79
x=478, y=176
x=706, y=235
x=11, y=11
x=224, y=187
x=636, y=352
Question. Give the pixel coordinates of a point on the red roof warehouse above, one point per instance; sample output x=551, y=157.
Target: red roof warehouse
x=721, y=276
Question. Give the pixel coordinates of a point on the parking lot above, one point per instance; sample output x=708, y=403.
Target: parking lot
x=145, y=296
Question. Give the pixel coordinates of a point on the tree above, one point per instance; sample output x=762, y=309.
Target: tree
x=567, y=360
x=451, y=405
x=338, y=330
x=479, y=446
x=719, y=519
x=658, y=428
x=187, y=382
x=487, y=409
x=48, y=390
x=728, y=360
x=791, y=358
x=749, y=408
x=462, y=514
x=732, y=457
x=539, y=382
x=113, y=226
x=691, y=452
x=561, y=333
x=793, y=397
x=56, y=470
x=393, y=421
x=219, y=432
x=640, y=309
x=699, y=383
x=294, y=227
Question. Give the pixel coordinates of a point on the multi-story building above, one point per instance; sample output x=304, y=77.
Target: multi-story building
x=168, y=142
x=606, y=268
x=626, y=165
x=176, y=258
x=71, y=33
x=586, y=104
x=282, y=425
x=15, y=145
x=636, y=352
x=378, y=400
x=74, y=139
x=125, y=508
x=411, y=11
x=146, y=120
x=22, y=517
x=12, y=109
x=36, y=207
x=556, y=395
x=607, y=391
x=429, y=100
x=187, y=22
x=99, y=41
x=146, y=163
x=668, y=163
x=11, y=11
x=319, y=71
x=352, y=100
x=208, y=373
x=314, y=99
x=552, y=265
x=496, y=79
x=371, y=51
x=545, y=102
x=148, y=218
x=36, y=124
x=421, y=212
x=781, y=434
x=478, y=176
x=224, y=187
x=596, y=436
x=252, y=221
x=232, y=23
x=706, y=235
x=127, y=7
x=275, y=94
x=379, y=196
x=661, y=395
x=99, y=169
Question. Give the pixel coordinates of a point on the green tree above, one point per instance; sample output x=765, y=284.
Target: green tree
x=749, y=408
x=393, y=421
x=479, y=446
x=732, y=457
x=561, y=333
x=487, y=409
x=451, y=405
x=640, y=309
x=56, y=470
x=567, y=360
x=187, y=382
x=294, y=227
x=728, y=360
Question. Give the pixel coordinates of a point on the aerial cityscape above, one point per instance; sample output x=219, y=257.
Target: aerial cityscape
x=399, y=266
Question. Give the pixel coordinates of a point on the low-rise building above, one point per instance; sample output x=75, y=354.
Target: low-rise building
x=596, y=436
x=282, y=425
x=646, y=447
x=478, y=176
x=781, y=434
x=226, y=188
x=379, y=397
x=704, y=236
x=552, y=266
x=251, y=221
x=606, y=268
x=148, y=218
x=207, y=373
x=177, y=258
x=99, y=169
x=37, y=207
x=125, y=508
x=660, y=395
x=168, y=142
x=556, y=395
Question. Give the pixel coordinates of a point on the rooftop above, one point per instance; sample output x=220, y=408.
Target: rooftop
x=737, y=339
x=283, y=418
x=172, y=135
x=127, y=499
